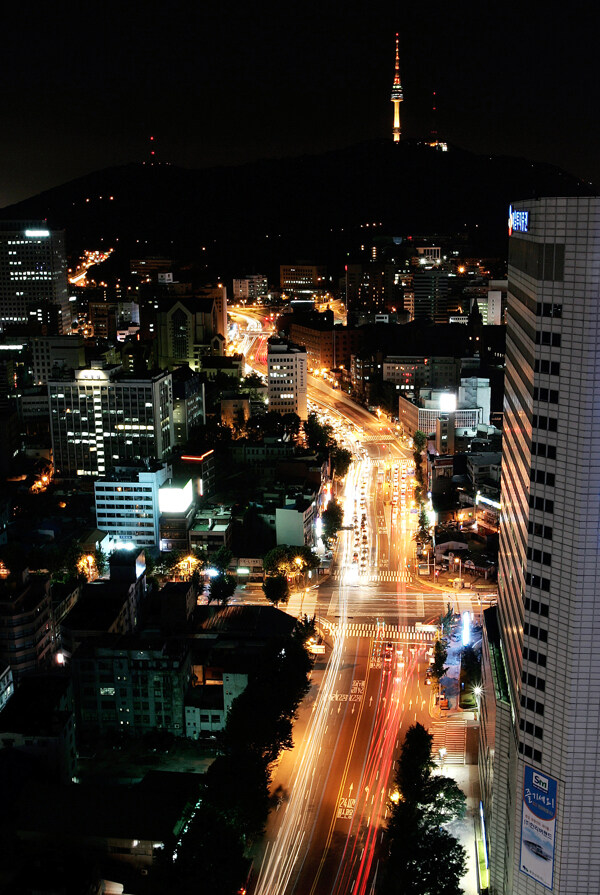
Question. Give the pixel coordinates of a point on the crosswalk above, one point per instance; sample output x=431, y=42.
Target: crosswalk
x=451, y=735
x=377, y=439
x=383, y=575
x=384, y=632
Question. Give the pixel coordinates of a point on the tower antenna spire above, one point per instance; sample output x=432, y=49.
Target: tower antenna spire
x=397, y=94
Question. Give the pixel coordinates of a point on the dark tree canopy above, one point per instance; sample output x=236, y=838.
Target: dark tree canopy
x=332, y=519
x=276, y=589
x=440, y=654
x=423, y=858
x=221, y=589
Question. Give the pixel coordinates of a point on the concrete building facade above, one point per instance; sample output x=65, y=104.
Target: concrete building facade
x=541, y=728
x=287, y=377
x=127, y=506
x=102, y=417
x=33, y=276
x=50, y=352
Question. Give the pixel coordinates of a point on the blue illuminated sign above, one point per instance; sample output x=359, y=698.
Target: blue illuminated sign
x=518, y=221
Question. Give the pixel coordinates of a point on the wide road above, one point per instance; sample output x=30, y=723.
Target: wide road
x=324, y=838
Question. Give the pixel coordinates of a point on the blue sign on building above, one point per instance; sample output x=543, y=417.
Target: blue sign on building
x=518, y=221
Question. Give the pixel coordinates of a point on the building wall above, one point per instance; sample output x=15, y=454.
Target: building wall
x=549, y=561
x=7, y=687
x=294, y=527
x=100, y=419
x=250, y=288
x=475, y=392
x=199, y=719
x=130, y=689
x=33, y=276
x=287, y=378
x=48, y=351
x=408, y=415
x=431, y=289
x=127, y=506
x=184, y=329
x=296, y=278
x=318, y=344
x=413, y=373
x=496, y=754
x=25, y=626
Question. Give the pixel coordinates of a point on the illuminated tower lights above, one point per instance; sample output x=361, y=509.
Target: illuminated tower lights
x=397, y=95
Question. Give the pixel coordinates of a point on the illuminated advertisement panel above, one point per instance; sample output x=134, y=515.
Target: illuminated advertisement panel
x=538, y=826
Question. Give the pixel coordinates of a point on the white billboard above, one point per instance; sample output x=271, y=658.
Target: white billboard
x=447, y=402
x=175, y=499
x=538, y=826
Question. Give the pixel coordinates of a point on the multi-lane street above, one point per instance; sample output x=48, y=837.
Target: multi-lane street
x=378, y=625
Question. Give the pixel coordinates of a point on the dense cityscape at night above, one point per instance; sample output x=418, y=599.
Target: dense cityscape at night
x=298, y=496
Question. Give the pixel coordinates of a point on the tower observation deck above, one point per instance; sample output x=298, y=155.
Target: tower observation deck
x=397, y=95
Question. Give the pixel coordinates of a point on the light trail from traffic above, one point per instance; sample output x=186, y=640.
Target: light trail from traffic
x=326, y=839
x=278, y=864
x=361, y=839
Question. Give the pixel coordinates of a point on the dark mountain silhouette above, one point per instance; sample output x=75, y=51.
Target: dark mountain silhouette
x=258, y=215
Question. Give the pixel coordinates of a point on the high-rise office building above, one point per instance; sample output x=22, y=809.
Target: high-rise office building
x=302, y=278
x=286, y=377
x=127, y=503
x=102, y=417
x=540, y=706
x=33, y=276
x=431, y=287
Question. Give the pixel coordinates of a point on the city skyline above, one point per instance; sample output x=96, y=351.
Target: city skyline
x=214, y=88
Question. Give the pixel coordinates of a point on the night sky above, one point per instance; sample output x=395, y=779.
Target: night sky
x=84, y=85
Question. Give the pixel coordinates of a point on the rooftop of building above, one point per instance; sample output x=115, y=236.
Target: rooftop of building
x=33, y=709
x=98, y=607
x=128, y=472
x=21, y=592
x=243, y=621
x=277, y=345
x=152, y=643
x=485, y=458
x=106, y=373
x=194, y=303
x=91, y=537
x=151, y=810
x=222, y=362
x=175, y=588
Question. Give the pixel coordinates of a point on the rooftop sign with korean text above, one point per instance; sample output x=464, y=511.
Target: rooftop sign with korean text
x=518, y=221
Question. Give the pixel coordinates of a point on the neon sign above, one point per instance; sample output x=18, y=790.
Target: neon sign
x=518, y=221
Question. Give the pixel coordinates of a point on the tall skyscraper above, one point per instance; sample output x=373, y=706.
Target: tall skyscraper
x=102, y=417
x=286, y=377
x=541, y=672
x=397, y=95
x=33, y=276
x=431, y=287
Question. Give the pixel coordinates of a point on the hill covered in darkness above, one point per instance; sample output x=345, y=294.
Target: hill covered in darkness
x=258, y=215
